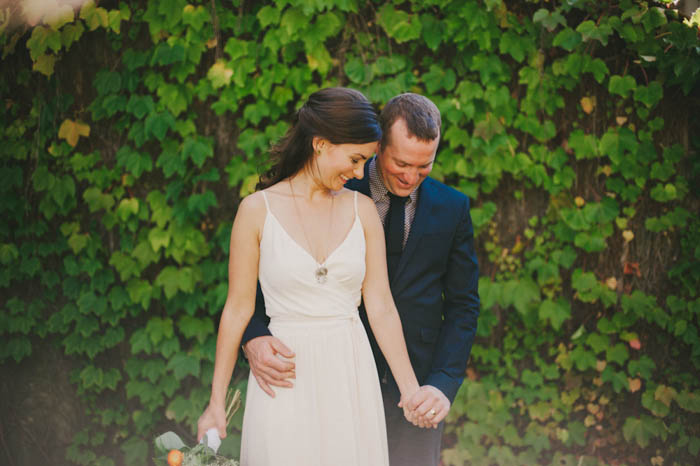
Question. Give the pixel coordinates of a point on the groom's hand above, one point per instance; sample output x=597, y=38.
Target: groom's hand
x=429, y=406
x=268, y=369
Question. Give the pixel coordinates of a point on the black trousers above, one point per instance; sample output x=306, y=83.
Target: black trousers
x=408, y=445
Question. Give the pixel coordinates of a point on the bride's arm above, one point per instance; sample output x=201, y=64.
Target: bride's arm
x=381, y=310
x=244, y=254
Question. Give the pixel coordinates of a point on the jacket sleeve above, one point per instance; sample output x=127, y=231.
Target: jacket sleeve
x=460, y=310
x=257, y=327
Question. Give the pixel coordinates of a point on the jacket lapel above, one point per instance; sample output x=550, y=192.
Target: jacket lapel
x=424, y=211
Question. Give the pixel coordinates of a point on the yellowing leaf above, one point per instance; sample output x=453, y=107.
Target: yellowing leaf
x=611, y=283
x=219, y=75
x=44, y=64
x=634, y=384
x=621, y=120
x=628, y=235
x=72, y=130
x=588, y=104
x=579, y=201
x=665, y=394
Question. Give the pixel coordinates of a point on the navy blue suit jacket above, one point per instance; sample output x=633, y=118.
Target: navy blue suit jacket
x=434, y=288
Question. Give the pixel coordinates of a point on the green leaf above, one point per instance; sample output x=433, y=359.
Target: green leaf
x=642, y=429
x=158, y=329
x=649, y=95
x=567, y=39
x=598, y=342
x=526, y=292
x=556, y=312
x=107, y=82
x=197, y=150
x=268, y=15
x=398, y=24
x=432, y=29
x=135, y=451
x=689, y=401
x=618, y=354
x=127, y=208
x=512, y=44
x=140, y=106
x=183, y=365
x=621, y=85
x=549, y=20
x=157, y=124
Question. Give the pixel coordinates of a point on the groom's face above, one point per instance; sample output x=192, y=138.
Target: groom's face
x=406, y=160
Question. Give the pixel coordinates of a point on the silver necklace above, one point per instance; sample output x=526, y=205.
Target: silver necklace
x=321, y=272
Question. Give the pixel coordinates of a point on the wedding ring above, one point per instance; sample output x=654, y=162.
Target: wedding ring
x=431, y=412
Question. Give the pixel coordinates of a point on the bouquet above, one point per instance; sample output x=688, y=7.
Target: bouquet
x=171, y=449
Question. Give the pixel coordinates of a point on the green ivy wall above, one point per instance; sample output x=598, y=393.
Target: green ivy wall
x=130, y=131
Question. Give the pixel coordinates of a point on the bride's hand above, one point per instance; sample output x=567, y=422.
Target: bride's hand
x=213, y=416
x=409, y=414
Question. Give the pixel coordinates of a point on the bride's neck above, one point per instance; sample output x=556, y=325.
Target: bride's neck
x=307, y=185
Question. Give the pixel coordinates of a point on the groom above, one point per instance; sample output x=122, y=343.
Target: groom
x=433, y=275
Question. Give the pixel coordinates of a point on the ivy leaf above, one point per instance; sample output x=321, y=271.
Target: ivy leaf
x=432, y=30
x=618, y=354
x=219, y=75
x=642, y=429
x=107, y=82
x=398, y=24
x=512, y=44
x=556, y=312
x=125, y=265
x=183, y=364
x=621, y=85
x=598, y=342
x=649, y=95
x=140, y=105
x=157, y=124
x=72, y=130
x=268, y=15
x=689, y=401
x=140, y=292
x=44, y=64
x=357, y=71
x=128, y=207
x=567, y=39
x=192, y=327
x=168, y=280
x=549, y=20
x=197, y=150
x=135, y=451
x=159, y=328
x=526, y=292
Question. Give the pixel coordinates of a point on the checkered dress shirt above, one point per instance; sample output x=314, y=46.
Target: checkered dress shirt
x=380, y=196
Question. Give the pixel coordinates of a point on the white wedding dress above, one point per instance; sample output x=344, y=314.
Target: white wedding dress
x=333, y=416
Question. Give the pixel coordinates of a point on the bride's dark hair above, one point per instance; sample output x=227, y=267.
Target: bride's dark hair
x=339, y=114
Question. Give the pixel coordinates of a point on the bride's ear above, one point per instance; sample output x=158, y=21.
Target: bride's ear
x=318, y=143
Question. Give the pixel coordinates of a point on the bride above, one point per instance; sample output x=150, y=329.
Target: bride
x=317, y=250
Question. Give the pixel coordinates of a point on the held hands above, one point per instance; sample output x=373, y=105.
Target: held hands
x=426, y=407
x=267, y=368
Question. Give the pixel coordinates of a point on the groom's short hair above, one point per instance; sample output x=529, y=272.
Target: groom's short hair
x=421, y=115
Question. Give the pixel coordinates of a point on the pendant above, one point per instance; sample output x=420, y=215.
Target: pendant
x=321, y=275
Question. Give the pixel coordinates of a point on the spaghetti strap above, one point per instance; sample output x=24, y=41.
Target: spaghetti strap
x=355, y=203
x=267, y=204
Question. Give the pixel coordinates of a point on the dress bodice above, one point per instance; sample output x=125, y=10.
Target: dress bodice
x=287, y=273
